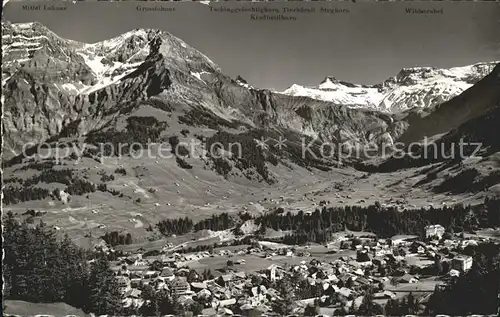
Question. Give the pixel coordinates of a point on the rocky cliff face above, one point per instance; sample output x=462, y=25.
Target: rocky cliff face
x=50, y=82
x=38, y=65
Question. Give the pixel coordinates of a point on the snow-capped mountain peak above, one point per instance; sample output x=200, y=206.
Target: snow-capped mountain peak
x=411, y=87
x=328, y=83
x=111, y=60
x=96, y=65
x=58, y=80
x=21, y=41
x=429, y=86
x=242, y=82
x=341, y=93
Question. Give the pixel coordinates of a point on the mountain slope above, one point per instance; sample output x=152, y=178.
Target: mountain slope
x=95, y=83
x=43, y=92
x=464, y=129
x=148, y=88
x=421, y=87
x=472, y=103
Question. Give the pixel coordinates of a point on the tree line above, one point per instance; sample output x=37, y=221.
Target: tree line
x=251, y=156
x=115, y=238
x=28, y=191
x=385, y=222
x=180, y=226
x=39, y=267
x=474, y=292
x=76, y=184
x=15, y=194
x=319, y=225
x=139, y=130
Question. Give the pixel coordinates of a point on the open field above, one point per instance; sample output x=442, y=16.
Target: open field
x=418, y=260
x=487, y=233
x=18, y=307
x=421, y=288
x=155, y=189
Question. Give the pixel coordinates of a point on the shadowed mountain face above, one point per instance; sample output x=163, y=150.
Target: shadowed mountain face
x=465, y=126
x=472, y=103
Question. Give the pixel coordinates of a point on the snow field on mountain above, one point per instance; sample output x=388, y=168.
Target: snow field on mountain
x=413, y=87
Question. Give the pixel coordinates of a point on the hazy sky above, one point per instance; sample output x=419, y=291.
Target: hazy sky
x=367, y=45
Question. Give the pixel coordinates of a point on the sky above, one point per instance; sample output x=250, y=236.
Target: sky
x=370, y=43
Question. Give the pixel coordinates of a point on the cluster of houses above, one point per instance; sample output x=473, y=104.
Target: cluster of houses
x=382, y=263
x=216, y=294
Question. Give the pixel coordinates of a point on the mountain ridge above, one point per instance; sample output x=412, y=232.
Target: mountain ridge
x=127, y=70
x=422, y=87
x=107, y=79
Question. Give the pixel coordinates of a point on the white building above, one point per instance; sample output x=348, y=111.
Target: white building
x=434, y=231
x=461, y=263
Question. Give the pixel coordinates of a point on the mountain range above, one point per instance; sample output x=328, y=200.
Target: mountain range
x=77, y=79
x=412, y=87
x=150, y=86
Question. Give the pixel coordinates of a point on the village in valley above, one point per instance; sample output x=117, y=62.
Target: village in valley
x=330, y=279
x=142, y=178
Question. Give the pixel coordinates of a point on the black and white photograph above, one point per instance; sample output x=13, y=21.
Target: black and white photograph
x=250, y=158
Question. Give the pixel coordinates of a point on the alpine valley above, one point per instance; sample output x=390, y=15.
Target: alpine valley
x=148, y=88
x=150, y=84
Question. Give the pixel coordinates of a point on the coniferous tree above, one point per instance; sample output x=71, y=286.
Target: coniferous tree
x=411, y=305
x=40, y=268
x=368, y=307
x=285, y=305
x=104, y=295
x=311, y=310
x=479, y=285
x=393, y=308
x=154, y=302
